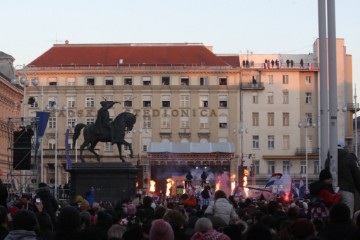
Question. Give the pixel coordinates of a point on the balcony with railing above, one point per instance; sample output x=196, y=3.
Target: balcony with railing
x=252, y=86
x=303, y=151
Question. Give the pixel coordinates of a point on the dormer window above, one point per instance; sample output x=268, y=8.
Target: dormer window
x=90, y=81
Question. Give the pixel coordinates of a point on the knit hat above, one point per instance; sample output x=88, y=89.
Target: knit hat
x=324, y=174
x=131, y=209
x=161, y=230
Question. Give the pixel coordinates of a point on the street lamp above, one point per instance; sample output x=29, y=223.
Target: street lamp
x=306, y=126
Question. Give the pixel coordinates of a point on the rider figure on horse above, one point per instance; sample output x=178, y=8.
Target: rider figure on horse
x=102, y=123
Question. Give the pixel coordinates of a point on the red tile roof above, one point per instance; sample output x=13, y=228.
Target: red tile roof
x=232, y=60
x=133, y=54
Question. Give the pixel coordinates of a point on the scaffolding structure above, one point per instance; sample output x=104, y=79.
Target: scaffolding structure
x=22, y=180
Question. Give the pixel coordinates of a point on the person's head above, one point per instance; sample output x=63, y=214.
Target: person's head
x=302, y=228
x=42, y=184
x=325, y=176
x=131, y=209
x=116, y=231
x=24, y=220
x=147, y=201
x=203, y=225
x=45, y=222
x=220, y=194
x=161, y=229
x=175, y=218
x=69, y=219
x=340, y=213
x=103, y=103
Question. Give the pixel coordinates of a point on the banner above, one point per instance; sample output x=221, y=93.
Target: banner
x=68, y=159
x=43, y=118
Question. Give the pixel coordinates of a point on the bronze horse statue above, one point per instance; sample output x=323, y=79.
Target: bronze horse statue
x=123, y=123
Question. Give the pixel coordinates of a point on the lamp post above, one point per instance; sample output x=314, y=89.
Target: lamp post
x=356, y=127
x=306, y=127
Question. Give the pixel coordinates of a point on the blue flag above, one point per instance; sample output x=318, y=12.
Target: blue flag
x=68, y=159
x=43, y=118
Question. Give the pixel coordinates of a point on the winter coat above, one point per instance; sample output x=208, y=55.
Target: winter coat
x=321, y=190
x=21, y=235
x=50, y=205
x=223, y=209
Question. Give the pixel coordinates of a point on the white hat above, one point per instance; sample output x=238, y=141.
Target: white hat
x=341, y=143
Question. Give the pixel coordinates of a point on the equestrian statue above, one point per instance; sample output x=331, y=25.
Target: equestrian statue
x=105, y=130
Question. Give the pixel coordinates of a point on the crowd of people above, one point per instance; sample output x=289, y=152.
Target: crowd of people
x=222, y=217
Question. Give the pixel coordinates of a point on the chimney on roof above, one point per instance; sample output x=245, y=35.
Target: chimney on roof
x=66, y=41
x=121, y=61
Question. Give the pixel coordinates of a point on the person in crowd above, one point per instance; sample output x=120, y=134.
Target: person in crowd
x=323, y=196
x=292, y=63
x=48, y=201
x=302, y=228
x=258, y=231
x=205, y=197
x=203, y=178
x=160, y=229
x=204, y=230
x=90, y=196
x=348, y=175
x=188, y=180
x=46, y=228
x=24, y=226
x=301, y=63
x=221, y=207
x=4, y=228
x=102, y=222
x=116, y=232
x=177, y=220
x=146, y=214
x=68, y=224
x=3, y=194
x=340, y=225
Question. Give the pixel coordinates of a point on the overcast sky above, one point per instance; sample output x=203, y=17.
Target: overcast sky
x=29, y=28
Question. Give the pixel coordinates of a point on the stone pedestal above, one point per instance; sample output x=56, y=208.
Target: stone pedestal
x=112, y=181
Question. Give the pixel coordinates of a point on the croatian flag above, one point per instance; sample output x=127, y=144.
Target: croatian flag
x=275, y=179
x=294, y=190
x=310, y=66
x=301, y=188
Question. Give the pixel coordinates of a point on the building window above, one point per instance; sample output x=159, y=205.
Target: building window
x=271, y=119
x=271, y=167
x=204, y=101
x=286, y=167
x=108, y=147
x=184, y=101
x=90, y=81
x=70, y=82
x=128, y=100
x=286, y=119
x=223, y=81
x=90, y=101
x=257, y=167
x=166, y=122
x=184, y=122
x=223, y=101
x=33, y=101
x=146, y=101
x=316, y=167
x=165, y=81
x=255, y=119
x=146, y=81
x=147, y=122
x=127, y=81
x=308, y=80
x=109, y=81
x=308, y=97
x=52, y=101
x=203, y=81
x=51, y=166
x=286, y=142
x=52, y=122
x=89, y=120
x=255, y=98
x=271, y=142
x=165, y=101
x=285, y=79
x=223, y=121
x=255, y=142
x=302, y=167
x=271, y=79
x=71, y=102
x=184, y=81
x=285, y=97
x=309, y=118
x=71, y=122
x=204, y=122
x=52, y=81
x=270, y=97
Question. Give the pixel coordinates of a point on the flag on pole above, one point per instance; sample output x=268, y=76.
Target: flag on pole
x=43, y=118
x=68, y=159
x=275, y=179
